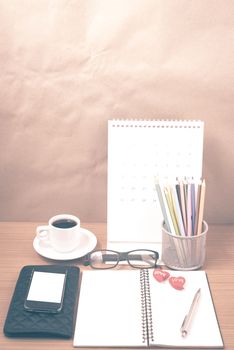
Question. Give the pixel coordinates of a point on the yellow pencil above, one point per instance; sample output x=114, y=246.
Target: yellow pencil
x=171, y=208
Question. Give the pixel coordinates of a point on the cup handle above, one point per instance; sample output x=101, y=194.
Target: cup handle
x=43, y=233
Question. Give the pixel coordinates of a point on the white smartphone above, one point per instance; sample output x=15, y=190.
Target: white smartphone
x=45, y=292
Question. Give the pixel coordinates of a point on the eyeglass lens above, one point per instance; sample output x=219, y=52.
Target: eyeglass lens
x=142, y=258
x=104, y=259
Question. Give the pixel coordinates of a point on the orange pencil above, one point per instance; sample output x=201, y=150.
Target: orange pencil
x=201, y=207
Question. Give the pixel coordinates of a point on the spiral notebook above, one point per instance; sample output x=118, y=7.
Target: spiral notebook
x=139, y=151
x=130, y=308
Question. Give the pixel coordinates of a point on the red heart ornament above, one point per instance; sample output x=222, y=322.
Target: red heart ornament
x=177, y=282
x=160, y=275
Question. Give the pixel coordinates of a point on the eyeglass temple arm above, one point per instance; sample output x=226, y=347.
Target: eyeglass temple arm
x=86, y=261
x=121, y=257
x=114, y=257
x=106, y=257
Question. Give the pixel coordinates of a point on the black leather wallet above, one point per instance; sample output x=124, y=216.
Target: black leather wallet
x=22, y=323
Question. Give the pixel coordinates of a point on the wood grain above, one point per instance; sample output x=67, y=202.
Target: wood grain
x=16, y=250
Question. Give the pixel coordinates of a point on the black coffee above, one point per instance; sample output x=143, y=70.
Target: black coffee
x=64, y=223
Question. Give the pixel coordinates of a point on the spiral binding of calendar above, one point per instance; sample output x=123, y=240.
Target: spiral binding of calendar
x=156, y=123
x=146, y=309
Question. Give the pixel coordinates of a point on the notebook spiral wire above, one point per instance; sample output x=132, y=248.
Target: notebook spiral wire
x=149, y=307
x=146, y=309
x=143, y=307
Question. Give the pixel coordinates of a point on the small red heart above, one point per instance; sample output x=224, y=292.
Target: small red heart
x=160, y=275
x=177, y=282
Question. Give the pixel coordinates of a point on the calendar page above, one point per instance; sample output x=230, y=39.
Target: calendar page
x=139, y=151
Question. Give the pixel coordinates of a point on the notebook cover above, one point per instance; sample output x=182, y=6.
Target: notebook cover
x=21, y=323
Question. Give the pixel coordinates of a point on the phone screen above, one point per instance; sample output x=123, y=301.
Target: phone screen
x=45, y=293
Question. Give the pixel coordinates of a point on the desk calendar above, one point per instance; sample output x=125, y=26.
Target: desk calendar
x=139, y=151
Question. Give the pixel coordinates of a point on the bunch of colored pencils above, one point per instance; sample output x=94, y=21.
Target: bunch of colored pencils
x=182, y=205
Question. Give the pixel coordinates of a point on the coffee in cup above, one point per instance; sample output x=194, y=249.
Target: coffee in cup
x=64, y=223
x=62, y=232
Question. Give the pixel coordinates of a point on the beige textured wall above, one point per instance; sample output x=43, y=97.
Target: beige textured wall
x=66, y=67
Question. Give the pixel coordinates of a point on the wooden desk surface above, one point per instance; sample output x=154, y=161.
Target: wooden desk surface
x=16, y=250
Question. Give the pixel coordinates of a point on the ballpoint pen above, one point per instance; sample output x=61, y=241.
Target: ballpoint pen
x=185, y=325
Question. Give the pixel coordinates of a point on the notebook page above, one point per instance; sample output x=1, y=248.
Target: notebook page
x=109, y=309
x=137, y=152
x=169, y=307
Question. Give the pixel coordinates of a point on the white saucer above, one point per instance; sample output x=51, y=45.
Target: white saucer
x=87, y=244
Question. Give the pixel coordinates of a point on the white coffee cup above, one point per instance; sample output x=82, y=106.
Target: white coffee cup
x=62, y=232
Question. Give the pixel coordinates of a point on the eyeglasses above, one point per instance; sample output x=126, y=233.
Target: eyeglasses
x=108, y=259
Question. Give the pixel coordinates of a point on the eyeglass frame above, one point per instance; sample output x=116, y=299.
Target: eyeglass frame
x=122, y=256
